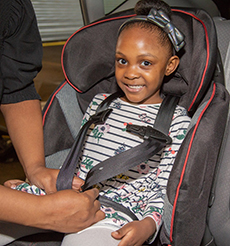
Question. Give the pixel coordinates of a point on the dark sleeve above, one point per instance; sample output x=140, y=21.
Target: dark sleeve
x=22, y=54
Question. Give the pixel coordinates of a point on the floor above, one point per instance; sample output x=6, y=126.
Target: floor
x=47, y=80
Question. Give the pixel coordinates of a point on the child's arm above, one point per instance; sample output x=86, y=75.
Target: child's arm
x=136, y=232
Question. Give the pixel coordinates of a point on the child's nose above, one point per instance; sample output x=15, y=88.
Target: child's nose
x=131, y=73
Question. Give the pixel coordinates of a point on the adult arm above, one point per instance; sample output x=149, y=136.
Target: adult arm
x=65, y=211
x=24, y=123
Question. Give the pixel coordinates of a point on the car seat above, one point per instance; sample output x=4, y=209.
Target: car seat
x=88, y=65
x=218, y=224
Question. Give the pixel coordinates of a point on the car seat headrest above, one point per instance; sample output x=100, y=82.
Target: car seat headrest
x=89, y=56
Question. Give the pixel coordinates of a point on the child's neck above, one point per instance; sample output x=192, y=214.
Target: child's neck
x=157, y=101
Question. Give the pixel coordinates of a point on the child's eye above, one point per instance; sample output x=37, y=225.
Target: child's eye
x=146, y=63
x=122, y=61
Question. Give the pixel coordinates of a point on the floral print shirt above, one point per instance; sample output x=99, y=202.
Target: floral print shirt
x=141, y=189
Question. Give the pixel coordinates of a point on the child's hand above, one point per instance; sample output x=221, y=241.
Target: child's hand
x=77, y=184
x=135, y=233
x=12, y=183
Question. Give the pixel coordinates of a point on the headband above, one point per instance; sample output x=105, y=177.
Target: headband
x=161, y=19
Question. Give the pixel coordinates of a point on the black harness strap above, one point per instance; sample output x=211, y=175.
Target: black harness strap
x=154, y=140
x=118, y=207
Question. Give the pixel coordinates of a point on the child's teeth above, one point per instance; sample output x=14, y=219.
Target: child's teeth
x=135, y=86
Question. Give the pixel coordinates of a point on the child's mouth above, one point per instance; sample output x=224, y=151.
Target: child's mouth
x=134, y=88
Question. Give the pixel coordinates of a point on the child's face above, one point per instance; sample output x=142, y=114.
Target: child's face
x=141, y=64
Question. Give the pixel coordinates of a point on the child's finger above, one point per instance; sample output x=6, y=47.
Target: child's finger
x=77, y=183
x=116, y=235
x=119, y=234
x=13, y=183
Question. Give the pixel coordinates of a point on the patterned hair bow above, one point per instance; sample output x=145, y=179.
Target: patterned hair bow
x=161, y=19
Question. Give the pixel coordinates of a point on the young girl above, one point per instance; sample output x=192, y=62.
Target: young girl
x=144, y=56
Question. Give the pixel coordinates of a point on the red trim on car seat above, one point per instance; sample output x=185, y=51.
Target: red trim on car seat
x=92, y=24
x=207, y=58
x=186, y=160
x=51, y=101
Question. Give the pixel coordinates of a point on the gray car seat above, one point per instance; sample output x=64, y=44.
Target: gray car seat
x=218, y=222
x=223, y=35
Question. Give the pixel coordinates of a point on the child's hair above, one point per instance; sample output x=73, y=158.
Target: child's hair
x=143, y=7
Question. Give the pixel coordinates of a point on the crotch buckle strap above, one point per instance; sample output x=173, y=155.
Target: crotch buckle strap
x=148, y=132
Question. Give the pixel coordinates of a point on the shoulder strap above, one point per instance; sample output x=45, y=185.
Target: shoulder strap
x=105, y=104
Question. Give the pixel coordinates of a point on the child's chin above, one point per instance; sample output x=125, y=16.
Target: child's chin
x=133, y=101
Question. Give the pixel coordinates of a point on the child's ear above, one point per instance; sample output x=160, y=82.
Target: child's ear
x=173, y=63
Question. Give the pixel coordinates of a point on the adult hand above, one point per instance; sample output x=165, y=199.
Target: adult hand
x=64, y=211
x=44, y=178
x=70, y=211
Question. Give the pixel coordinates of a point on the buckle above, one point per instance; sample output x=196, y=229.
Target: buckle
x=101, y=116
x=148, y=132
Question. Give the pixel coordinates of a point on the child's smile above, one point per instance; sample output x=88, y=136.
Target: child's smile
x=141, y=64
x=134, y=88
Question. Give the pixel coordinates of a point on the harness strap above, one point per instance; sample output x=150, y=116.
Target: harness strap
x=151, y=145
x=136, y=155
x=165, y=113
x=105, y=104
x=118, y=207
x=162, y=123
x=122, y=162
x=66, y=174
